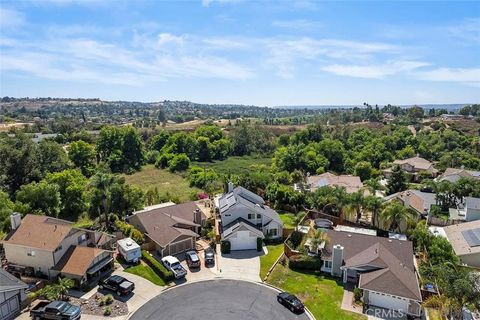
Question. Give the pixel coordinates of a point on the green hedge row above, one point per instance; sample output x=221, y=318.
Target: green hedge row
x=259, y=244
x=157, y=266
x=305, y=262
x=225, y=246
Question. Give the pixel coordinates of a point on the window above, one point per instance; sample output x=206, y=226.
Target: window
x=259, y=216
x=273, y=232
x=251, y=216
x=82, y=238
x=328, y=264
x=31, y=253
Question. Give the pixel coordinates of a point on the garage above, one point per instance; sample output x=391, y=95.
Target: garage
x=243, y=240
x=387, y=301
x=180, y=246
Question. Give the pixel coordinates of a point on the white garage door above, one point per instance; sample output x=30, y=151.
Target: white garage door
x=243, y=240
x=388, y=302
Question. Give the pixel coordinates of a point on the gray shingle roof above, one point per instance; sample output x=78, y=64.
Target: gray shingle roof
x=9, y=282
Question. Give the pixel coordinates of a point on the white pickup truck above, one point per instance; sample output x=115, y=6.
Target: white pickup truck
x=172, y=264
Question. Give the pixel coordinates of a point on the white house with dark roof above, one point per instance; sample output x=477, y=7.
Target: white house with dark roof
x=245, y=217
x=383, y=268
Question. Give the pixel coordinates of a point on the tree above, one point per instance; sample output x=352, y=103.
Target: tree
x=102, y=183
x=82, y=154
x=397, y=181
x=56, y=291
x=363, y=169
x=179, y=162
x=204, y=149
x=355, y=203
x=72, y=186
x=52, y=157
x=375, y=205
x=395, y=214
x=158, y=141
x=125, y=199
x=41, y=198
x=6, y=209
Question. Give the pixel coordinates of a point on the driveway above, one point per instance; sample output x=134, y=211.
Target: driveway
x=216, y=299
x=242, y=265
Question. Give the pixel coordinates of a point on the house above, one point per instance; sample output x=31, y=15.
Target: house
x=12, y=294
x=383, y=268
x=465, y=241
x=245, y=217
x=468, y=211
x=172, y=228
x=351, y=183
x=43, y=246
x=417, y=200
x=413, y=166
x=453, y=175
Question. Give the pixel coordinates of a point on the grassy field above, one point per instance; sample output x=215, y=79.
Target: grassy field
x=235, y=164
x=322, y=296
x=167, y=183
x=288, y=219
x=266, y=261
x=146, y=272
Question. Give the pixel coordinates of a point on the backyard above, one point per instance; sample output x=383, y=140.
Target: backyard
x=237, y=165
x=288, y=219
x=146, y=272
x=321, y=295
x=169, y=185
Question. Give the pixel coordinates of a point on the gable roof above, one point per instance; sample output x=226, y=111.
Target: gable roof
x=9, y=282
x=241, y=225
x=417, y=199
x=416, y=162
x=161, y=227
x=454, y=174
x=40, y=232
x=351, y=183
x=77, y=260
x=393, y=258
x=240, y=195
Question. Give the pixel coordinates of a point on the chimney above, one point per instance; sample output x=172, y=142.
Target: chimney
x=15, y=220
x=337, y=260
x=230, y=187
x=196, y=216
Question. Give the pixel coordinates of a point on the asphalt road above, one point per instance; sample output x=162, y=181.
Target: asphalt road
x=216, y=299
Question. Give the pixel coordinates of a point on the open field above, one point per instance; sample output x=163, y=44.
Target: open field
x=322, y=296
x=235, y=164
x=168, y=184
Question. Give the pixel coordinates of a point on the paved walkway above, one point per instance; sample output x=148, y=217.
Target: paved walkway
x=347, y=301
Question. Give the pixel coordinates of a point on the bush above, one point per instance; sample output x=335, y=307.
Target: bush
x=225, y=247
x=108, y=299
x=179, y=162
x=108, y=311
x=296, y=238
x=159, y=268
x=259, y=244
x=304, y=262
x=357, y=294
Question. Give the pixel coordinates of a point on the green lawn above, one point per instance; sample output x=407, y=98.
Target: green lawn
x=266, y=261
x=170, y=185
x=288, y=219
x=322, y=296
x=235, y=165
x=146, y=272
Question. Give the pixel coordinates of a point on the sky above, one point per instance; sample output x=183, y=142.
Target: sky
x=268, y=53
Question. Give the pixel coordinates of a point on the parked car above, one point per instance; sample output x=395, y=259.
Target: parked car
x=291, y=302
x=193, y=260
x=117, y=284
x=172, y=264
x=57, y=310
x=209, y=256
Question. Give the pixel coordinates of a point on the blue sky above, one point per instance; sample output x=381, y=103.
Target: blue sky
x=251, y=52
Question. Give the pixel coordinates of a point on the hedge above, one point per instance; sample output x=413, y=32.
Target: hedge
x=225, y=246
x=259, y=244
x=158, y=267
x=304, y=262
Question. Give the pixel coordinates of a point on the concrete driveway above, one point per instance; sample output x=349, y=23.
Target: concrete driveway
x=242, y=265
x=217, y=299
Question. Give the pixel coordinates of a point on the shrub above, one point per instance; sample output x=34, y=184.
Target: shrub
x=108, y=311
x=225, y=247
x=108, y=299
x=179, y=162
x=357, y=294
x=296, y=238
x=159, y=268
x=305, y=262
x=259, y=244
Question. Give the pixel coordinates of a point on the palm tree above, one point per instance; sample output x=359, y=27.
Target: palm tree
x=375, y=205
x=317, y=239
x=395, y=214
x=103, y=181
x=355, y=203
x=341, y=200
x=373, y=185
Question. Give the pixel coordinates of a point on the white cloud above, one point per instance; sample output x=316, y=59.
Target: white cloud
x=168, y=38
x=10, y=18
x=467, y=30
x=374, y=71
x=469, y=76
x=207, y=3
x=296, y=24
